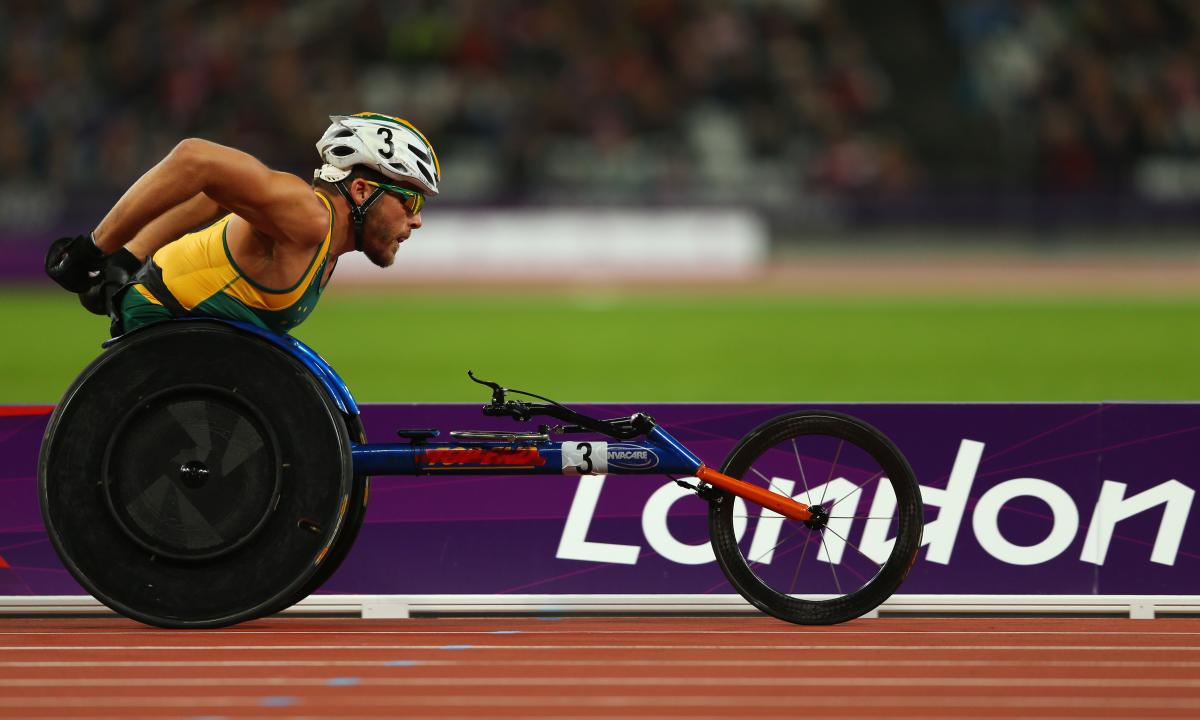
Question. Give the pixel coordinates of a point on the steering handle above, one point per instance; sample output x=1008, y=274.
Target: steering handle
x=618, y=428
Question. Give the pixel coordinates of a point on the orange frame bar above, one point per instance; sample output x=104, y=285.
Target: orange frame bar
x=781, y=504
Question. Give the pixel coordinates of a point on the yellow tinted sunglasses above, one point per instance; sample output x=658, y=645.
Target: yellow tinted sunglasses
x=413, y=200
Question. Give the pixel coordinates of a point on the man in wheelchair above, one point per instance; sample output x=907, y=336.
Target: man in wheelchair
x=211, y=231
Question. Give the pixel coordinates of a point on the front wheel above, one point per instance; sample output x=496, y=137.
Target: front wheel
x=864, y=533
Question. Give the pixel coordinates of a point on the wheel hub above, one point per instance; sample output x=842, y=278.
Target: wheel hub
x=193, y=474
x=819, y=519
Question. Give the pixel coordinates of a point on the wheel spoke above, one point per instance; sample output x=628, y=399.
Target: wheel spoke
x=800, y=465
x=832, y=565
x=857, y=488
x=796, y=575
x=832, y=469
x=771, y=549
x=857, y=549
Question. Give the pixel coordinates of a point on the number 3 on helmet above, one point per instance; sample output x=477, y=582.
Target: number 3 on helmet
x=388, y=145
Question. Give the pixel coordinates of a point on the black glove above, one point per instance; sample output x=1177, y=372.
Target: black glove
x=115, y=273
x=70, y=262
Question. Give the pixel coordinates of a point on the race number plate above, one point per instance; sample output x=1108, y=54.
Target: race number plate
x=584, y=458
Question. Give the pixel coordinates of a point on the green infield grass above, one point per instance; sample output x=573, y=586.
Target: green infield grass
x=416, y=346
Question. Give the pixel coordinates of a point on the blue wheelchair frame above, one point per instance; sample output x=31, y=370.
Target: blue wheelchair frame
x=635, y=446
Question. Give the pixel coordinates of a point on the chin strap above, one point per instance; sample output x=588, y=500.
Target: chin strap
x=358, y=213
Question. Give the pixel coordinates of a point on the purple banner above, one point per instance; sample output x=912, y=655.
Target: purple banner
x=1023, y=499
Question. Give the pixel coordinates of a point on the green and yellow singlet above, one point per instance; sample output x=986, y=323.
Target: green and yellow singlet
x=196, y=275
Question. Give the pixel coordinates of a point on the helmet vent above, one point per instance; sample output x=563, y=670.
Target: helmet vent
x=344, y=133
x=425, y=174
x=342, y=150
x=419, y=153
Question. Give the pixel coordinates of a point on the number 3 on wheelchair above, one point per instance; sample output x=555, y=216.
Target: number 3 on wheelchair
x=200, y=473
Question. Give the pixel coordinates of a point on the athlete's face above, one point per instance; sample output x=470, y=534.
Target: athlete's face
x=388, y=224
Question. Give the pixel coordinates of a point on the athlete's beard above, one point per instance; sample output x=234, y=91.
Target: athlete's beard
x=380, y=255
x=379, y=252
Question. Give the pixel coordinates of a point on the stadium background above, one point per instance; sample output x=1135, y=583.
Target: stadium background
x=964, y=200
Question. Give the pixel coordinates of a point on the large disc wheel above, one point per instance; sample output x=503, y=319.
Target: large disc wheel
x=195, y=476
x=861, y=540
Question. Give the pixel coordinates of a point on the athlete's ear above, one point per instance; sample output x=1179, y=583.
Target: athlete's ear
x=359, y=190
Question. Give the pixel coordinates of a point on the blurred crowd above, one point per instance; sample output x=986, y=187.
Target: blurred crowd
x=651, y=101
x=1095, y=95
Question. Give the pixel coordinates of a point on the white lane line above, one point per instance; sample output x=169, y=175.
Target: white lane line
x=571, y=646
x=781, y=662
x=799, y=700
x=585, y=681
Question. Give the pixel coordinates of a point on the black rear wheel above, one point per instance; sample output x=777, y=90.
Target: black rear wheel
x=195, y=476
x=863, y=536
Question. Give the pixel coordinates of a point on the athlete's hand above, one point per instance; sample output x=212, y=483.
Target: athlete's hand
x=70, y=262
x=117, y=269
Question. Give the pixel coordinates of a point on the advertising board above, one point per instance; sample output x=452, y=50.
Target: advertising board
x=1072, y=499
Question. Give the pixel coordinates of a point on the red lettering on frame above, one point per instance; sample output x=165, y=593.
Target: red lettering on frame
x=483, y=456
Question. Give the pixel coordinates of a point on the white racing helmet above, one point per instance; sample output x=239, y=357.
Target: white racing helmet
x=388, y=145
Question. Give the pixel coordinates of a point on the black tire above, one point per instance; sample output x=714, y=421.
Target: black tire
x=195, y=475
x=791, y=454
x=355, y=514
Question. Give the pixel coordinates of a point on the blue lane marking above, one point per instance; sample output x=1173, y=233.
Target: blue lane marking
x=457, y=647
x=402, y=663
x=278, y=701
x=506, y=632
x=342, y=681
x=550, y=619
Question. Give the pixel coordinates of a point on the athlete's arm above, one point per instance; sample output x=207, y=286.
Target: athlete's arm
x=191, y=214
x=279, y=205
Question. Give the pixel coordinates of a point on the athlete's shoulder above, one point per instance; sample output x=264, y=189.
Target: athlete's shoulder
x=297, y=215
x=279, y=205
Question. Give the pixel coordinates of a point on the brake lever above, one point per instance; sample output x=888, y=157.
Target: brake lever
x=497, y=390
x=618, y=428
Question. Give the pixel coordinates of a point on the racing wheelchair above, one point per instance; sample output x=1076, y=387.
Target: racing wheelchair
x=200, y=473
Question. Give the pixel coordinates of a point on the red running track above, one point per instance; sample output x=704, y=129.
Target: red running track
x=642, y=667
